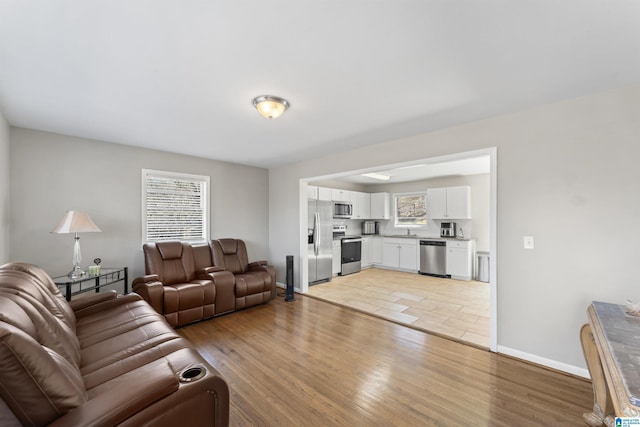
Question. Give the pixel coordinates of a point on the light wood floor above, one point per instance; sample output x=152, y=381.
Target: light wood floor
x=312, y=363
x=452, y=308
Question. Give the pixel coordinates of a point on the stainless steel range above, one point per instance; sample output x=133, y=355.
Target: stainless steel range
x=351, y=255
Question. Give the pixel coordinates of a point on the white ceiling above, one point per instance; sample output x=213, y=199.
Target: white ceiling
x=417, y=172
x=180, y=75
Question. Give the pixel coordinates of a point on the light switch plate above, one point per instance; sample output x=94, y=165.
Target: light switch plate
x=528, y=242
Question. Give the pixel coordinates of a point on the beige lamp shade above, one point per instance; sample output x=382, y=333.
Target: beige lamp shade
x=76, y=222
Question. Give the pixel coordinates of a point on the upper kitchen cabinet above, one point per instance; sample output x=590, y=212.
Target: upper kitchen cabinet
x=318, y=193
x=312, y=192
x=380, y=205
x=449, y=203
x=361, y=205
x=324, y=194
x=341, y=195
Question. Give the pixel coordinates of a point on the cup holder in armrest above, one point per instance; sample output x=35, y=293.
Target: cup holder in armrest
x=192, y=374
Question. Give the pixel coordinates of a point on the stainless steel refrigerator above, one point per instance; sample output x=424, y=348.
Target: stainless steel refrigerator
x=319, y=239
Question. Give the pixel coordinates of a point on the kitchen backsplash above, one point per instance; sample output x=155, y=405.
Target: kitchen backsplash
x=354, y=227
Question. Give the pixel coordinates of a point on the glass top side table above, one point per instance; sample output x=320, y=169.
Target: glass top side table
x=93, y=282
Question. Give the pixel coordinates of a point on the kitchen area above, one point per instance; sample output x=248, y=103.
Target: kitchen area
x=414, y=252
x=349, y=231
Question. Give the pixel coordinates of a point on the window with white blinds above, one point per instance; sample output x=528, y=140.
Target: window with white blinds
x=175, y=206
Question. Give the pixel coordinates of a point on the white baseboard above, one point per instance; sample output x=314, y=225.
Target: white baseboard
x=549, y=363
x=281, y=285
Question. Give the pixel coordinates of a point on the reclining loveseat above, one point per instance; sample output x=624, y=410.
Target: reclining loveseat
x=99, y=360
x=188, y=283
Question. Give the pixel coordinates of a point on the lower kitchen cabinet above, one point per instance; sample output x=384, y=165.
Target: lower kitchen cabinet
x=336, y=265
x=400, y=253
x=375, y=250
x=460, y=259
x=365, y=259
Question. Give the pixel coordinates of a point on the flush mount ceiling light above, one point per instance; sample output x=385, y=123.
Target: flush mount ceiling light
x=375, y=175
x=270, y=106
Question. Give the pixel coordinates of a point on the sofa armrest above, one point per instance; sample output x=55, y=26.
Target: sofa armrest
x=88, y=300
x=127, y=395
x=104, y=304
x=151, y=290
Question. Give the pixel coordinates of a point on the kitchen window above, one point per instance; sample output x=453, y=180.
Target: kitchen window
x=175, y=206
x=410, y=209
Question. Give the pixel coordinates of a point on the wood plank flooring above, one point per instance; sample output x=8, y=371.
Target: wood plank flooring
x=452, y=308
x=312, y=363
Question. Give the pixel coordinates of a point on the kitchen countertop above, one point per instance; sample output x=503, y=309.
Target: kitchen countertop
x=405, y=236
x=413, y=236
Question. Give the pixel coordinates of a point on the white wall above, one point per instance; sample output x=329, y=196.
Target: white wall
x=53, y=173
x=565, y=171
x=4, y=190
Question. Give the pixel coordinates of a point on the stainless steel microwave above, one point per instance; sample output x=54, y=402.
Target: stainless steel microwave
x=342, y=210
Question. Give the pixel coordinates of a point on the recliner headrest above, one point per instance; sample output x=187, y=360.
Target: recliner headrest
x=169, y=250
x=229, y=246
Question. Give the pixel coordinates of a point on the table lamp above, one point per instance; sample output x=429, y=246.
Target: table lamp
x=76, y=222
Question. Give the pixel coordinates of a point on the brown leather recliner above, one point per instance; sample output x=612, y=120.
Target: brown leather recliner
x=172, y=285
x=255, y=282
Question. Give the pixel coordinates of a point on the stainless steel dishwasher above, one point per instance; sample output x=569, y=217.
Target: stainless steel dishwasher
x=433, y=258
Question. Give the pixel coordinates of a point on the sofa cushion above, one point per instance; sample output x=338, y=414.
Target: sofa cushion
x=20, y=282
x=57, y=305
x=28, y=315
x=37, y=384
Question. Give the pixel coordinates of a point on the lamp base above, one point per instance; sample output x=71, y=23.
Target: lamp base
x=76, y=273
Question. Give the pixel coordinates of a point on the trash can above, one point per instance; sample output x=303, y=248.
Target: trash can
x=482, y=273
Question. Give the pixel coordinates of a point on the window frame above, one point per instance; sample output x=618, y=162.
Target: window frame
x=395, y=210
x=204, y=180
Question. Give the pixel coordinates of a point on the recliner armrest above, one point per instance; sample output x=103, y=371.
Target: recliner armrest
x=257, y=265
x=129, y=394
x=146, y=279
x=207, y=270
x=152, y=291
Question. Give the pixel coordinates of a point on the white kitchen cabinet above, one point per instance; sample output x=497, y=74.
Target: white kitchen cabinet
x=324, y=194
x=361, y=205
x=318, y=193
x=380, y=205
x=449, y=203
x=365, y=252
x=460, y=259
x=341, y=195
x=375, y=250
x=312, y=192
x=336, y=264
x=400, y=253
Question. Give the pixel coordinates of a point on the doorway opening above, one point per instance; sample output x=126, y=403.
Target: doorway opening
x=439, y=165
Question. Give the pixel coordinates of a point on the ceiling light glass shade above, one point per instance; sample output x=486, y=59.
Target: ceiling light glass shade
x=270, y=106
x=376, y=175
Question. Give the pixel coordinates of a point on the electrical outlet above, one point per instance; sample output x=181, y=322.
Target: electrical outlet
x=528, y=242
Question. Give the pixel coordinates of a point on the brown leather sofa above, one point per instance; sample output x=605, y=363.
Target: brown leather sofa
x=100, y=360
x=188, y=283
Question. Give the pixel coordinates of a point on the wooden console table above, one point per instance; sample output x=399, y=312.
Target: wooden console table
x=611, y=345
